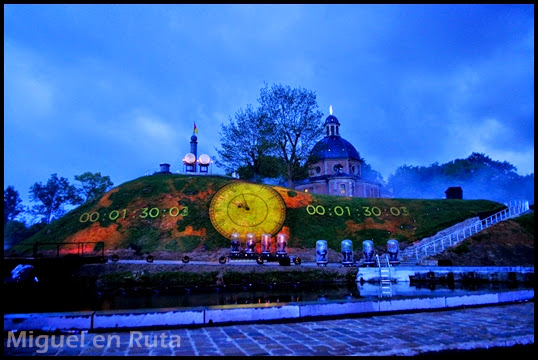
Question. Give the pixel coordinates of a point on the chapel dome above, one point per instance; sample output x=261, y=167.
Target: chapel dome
x=334, y=147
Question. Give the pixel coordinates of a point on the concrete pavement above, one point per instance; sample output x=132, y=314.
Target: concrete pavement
x=394, y=334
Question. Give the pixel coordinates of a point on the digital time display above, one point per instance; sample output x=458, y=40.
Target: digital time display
x=350, y=212
x=143, y=213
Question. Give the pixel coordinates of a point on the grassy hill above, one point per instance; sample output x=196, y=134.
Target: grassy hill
x=508, y=243
x=134, y=214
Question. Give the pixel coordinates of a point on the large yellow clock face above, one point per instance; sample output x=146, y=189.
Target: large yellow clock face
x=244, y=207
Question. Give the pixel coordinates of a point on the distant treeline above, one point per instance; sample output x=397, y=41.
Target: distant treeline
x=479, y=177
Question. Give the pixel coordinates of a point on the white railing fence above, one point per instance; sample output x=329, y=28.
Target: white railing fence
x=437, y=245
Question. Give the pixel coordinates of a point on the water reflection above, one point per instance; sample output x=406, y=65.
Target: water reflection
x=224, y=297
x=433, y=289
x=73, y=300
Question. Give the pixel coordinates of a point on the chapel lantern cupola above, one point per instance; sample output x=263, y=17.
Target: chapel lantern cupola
x=332, y=125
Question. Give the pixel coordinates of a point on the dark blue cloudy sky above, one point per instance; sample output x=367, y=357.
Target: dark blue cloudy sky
x=115, y=88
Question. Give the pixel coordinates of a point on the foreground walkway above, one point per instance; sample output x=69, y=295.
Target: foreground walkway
x=399, y=334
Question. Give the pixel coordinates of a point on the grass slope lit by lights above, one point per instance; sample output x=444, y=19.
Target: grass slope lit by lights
x=309, y=217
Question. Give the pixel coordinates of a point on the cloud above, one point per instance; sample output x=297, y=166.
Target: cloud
x=28, y=89
x=117, y=88
x=153, y=129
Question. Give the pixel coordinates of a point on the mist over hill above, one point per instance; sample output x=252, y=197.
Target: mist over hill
x=479, y=177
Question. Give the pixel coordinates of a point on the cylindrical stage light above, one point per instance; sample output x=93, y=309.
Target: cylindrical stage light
x=235, y=243
x=266, y=243
x=347, y=252
x=251, y=243
x=281, y=243
x=368, y=252
x=393, y=249
x=322, y=253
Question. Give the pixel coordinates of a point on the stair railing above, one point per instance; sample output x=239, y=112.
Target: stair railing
x=435, y=246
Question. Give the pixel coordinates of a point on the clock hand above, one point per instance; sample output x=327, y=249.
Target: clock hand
x=246, y=205
x=238, y=205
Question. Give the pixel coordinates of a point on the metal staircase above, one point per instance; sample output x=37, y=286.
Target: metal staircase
x=384, y=275
x=416, y=253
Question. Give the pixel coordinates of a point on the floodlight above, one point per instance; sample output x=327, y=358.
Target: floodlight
x=204, y=159
x=189, y=159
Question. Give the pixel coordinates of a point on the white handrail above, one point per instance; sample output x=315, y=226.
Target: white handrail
x=387, y=260
x=385, y=281
x=438, y=245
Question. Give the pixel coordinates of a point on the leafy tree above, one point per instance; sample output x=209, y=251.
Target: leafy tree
x=16, y=231
x=12, y=204
x=92, y=185
x=368, y=173
x=269, y=167
x=52, y=196
x=296, y=123
x=245, y=142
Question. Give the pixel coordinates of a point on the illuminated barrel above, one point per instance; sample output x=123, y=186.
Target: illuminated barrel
x=251, y=243
x=266, y=243
x=347, y=252
x=393, y=249
x=281, y=243
x=235, y=242
x=322, y=253
x=368, y=252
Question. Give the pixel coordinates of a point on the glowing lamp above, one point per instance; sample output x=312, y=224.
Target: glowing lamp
x=251, y=243
x=235, y=243
x=281, y=242
x=266, y=243
x=204, y=159
x=204, y=162
x=189, y=159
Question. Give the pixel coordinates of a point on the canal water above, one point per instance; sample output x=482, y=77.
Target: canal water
x=58, y=299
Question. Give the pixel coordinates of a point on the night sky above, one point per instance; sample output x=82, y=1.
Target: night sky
x=116, y=89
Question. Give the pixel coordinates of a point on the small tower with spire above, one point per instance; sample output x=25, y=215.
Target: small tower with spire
x=192, y=163
x=194, y=150
x=190, y=159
